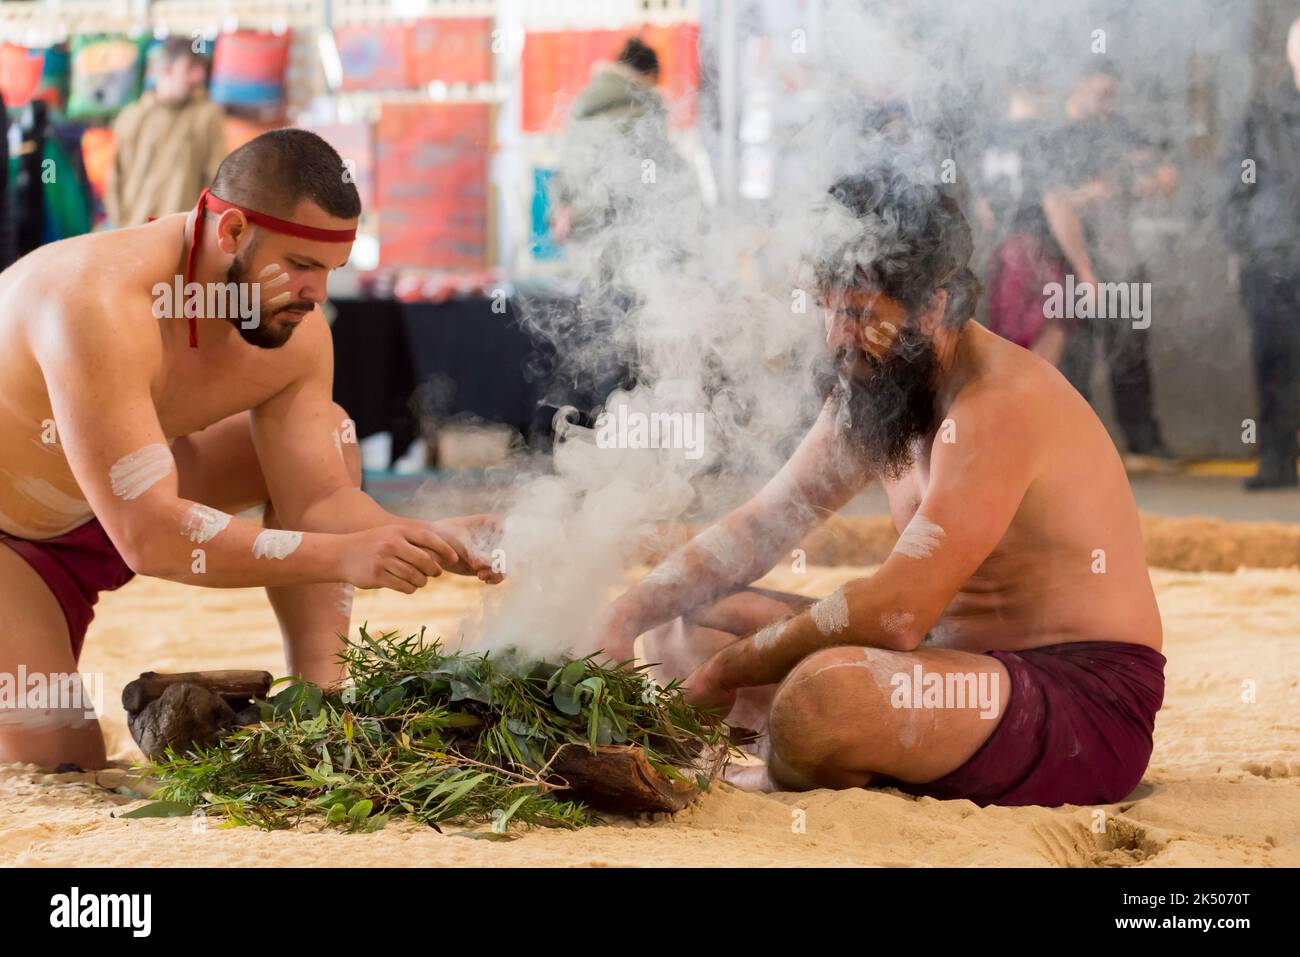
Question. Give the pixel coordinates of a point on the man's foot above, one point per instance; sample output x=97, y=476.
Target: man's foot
x=749, y=777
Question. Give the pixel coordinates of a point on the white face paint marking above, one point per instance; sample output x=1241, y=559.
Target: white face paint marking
x=920, y=538
x=275, y=543
x=202, y=524
x=269, y=270
x=282, y=297
x=279, y=280
x=831, y=614
x=876, y=337
x=769, y=636
x=135, y=474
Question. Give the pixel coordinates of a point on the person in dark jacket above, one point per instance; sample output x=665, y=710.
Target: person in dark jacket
x=618, y=125
x=1263, y=220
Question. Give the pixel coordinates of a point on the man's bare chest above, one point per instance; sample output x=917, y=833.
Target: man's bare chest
x=906, y=492
x=195, y=391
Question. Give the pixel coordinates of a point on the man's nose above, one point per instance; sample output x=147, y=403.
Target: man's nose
x=314, y=292
x=841, y=333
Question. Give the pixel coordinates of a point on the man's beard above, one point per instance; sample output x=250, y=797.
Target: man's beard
x=883, y=413
x=267, y=334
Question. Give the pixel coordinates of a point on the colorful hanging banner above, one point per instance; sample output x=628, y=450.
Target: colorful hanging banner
x=431, y=184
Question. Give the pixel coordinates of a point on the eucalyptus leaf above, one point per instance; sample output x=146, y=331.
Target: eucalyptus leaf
x=566, y=701
x=159, y=809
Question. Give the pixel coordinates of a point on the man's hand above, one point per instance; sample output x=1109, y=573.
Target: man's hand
x=401, y=557
x=474, y=538
x=613, y=635
x=703, y=688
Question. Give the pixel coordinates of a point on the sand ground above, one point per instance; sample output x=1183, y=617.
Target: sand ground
x=1223, y=787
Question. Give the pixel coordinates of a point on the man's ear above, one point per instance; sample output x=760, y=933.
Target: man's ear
x=932, y=317
x=231, y=228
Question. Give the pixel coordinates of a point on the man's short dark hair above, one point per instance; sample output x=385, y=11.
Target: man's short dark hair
x=923, y=238
x=639, y=57
x=272, y=172
x=175, y=48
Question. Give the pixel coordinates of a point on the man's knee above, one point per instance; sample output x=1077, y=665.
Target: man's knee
x=827, y=710
x=51, y=737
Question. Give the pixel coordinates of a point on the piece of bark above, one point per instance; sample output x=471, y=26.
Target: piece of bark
x=183, y=717
x=237, y=687
x=619, y=778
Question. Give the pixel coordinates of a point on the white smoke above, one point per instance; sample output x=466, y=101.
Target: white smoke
x=715, y=306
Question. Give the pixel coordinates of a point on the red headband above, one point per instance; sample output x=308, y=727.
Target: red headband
x=209, y=200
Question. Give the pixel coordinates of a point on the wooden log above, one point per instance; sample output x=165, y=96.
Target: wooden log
x=237, y=687
x=619, y=778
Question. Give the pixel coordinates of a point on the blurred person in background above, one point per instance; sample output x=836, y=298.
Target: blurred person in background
x=1025, y=257
x=618, y=174
x=1263, y=219
x=619, y=111
x=1096, y=167
x=169, y=142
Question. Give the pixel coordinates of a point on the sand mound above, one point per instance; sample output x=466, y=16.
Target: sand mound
x=1187, y=544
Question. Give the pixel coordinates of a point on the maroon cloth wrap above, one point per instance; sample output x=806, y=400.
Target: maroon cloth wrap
x=1077, y=729
x=76, y=566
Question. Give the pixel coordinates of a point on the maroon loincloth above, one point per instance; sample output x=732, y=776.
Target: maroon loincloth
x=1077, y=729
x=76, y=566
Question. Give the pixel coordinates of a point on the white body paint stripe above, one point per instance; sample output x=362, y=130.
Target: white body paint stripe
x=769, y=636
x=136, y=473
x=831, y=614
x=920, y=538
x=202, y=524
x=276, y=543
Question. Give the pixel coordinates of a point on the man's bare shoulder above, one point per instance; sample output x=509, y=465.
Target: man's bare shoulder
x=1016, y=385
x=1011, y=404
x=94, y=289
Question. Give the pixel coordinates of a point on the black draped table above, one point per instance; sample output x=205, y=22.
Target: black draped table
x=401, y=366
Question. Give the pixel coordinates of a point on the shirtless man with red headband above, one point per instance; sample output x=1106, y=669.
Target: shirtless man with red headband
x=130, y=438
